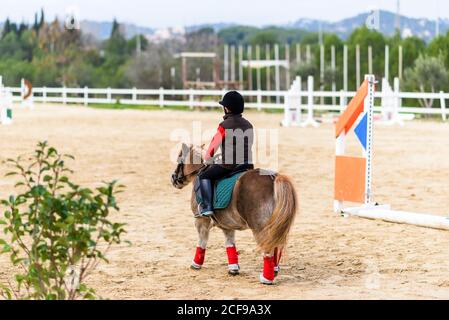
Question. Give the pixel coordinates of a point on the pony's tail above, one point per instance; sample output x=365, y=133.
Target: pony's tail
x=275, y=233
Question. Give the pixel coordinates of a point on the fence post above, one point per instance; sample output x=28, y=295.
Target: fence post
x=387, y=62
x=287, y=119
x=345, y=68
x=190, y=98
x=396, y=118
x=342, y=101
x=64, y=95
x=109, y=95
x=22, y=90
x=321, y=72
x=44, y=94
x=86, y=96
x=259, y=100
x=299, y=105
x=134, y=96
x=161, y=97
x=443, y=105
x=310, y=104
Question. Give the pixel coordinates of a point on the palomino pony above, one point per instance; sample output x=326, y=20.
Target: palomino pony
x=264, y=202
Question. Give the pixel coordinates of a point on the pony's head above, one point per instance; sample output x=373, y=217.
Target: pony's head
x=190, y=162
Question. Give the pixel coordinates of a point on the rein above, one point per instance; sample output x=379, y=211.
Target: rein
x=193, y=172
x=185, y=176
x=188, y=175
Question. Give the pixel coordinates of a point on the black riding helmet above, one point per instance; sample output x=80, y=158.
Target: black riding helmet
x=234, y=102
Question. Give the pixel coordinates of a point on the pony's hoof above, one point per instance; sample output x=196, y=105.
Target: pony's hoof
x=276, y=271
x=233, y=269
x=195, y=266
x=265, y=281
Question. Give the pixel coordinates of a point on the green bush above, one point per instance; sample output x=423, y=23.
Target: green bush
x=56, y=232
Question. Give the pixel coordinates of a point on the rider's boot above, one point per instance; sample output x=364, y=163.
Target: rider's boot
x=207, y=194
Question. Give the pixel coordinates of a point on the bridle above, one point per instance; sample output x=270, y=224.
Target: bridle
x=188, y=175
x=179, y=180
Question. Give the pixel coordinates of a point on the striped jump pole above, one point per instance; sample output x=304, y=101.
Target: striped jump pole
x=353, y=175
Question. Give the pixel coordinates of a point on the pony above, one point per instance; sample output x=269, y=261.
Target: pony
x=263, y=201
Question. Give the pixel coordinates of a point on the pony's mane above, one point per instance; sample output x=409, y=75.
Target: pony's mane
x=198, y=150
x=193, y=152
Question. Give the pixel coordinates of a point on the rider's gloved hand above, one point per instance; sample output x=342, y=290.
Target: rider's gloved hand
x=213, y=160
x=209, y=161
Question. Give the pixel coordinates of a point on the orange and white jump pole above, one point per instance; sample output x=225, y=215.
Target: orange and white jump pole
x=353, y=175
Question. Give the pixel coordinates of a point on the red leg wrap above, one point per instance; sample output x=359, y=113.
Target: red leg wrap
x=199, y=256
x=277, y=256
x=233, y=256
x=268, y=268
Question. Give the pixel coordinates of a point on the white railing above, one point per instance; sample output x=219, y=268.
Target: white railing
x=148, y=97
x=257, y=99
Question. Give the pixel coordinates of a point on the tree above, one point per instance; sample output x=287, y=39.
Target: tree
x=311, y=68
x=133, y=44
x=428, y=74
x=6, y=28
x=115, y=46
x=36, y=24
x=306, y=69
x=46, y=71
x=79, y=73
x=311, y=38
x=42, y=20
x=264, y=37
x=439, y=46
x=22, y=28
x=13, y=70
x=412, y=48
x=11, y=48
x=204, y=39
x=365, y=37
x=151, y=69
x=237, y=35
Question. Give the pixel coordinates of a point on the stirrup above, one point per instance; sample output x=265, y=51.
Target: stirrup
x=208, y=213
x=199, y=214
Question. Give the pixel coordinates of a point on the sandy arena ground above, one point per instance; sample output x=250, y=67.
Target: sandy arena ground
x=329, y=257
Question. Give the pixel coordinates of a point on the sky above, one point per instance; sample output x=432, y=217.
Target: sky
x=170, y=13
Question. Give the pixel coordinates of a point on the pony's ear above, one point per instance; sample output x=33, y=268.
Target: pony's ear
x=185, y=149
x=202, y=146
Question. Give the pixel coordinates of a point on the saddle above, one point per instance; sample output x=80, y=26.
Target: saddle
x=224, y=187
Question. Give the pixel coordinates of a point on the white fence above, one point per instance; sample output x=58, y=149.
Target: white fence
x=208, y=98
